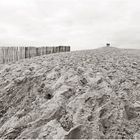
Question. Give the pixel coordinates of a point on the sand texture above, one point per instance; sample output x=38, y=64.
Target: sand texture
x=93, y=94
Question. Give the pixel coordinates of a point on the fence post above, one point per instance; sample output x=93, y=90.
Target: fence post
x=8, y=54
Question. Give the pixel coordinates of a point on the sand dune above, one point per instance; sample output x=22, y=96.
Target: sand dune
x=93, y=94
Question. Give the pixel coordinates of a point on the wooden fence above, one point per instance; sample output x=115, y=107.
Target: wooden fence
x=11, y=54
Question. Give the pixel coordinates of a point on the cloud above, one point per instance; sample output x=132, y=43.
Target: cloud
x=83, y=24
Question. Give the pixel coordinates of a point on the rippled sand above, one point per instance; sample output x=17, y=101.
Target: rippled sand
x=93, y=94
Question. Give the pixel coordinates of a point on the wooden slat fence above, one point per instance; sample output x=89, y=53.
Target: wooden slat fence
x=11, y=54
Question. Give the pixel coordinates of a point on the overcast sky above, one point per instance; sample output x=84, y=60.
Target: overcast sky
x=82, y=24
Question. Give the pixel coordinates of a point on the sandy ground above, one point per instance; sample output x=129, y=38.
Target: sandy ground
x=92, y=94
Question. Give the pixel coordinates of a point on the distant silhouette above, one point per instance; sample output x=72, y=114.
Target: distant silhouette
x=108, y=44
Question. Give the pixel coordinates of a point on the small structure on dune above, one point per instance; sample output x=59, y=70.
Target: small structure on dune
x=107, y=44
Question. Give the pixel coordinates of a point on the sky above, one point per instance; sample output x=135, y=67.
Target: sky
x=81, y=24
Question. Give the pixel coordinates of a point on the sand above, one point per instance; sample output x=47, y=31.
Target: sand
x=91, y=94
